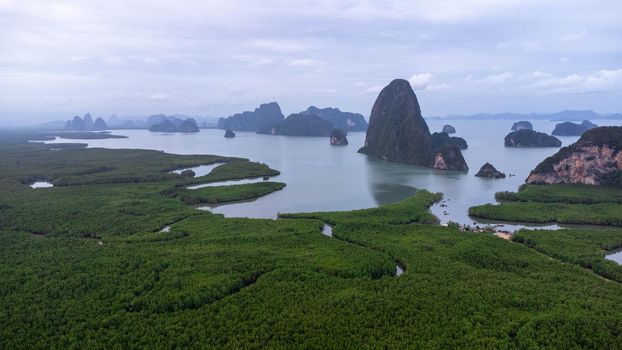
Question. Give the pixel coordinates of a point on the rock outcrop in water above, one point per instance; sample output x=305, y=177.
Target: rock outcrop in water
x=572, y=129
x=338, y=138
x=440, y=139
x=259, y=119
x=397, y=132
x=531, y=138
x=186, y=126
x=100, y=124
x=522, y=125
x=449, y=157
x=449, y=129
x=229, y=134
x=489, y=171
x=341, y=120
x=299, y=125
x=596, y=159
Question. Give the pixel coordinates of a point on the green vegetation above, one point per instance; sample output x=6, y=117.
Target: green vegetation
x=230, y=193
x=586, y=248
x=413, y=209
x=563, y=193
x=230, y=283
x=562, y=203
x=237, y=169
x=580, y=214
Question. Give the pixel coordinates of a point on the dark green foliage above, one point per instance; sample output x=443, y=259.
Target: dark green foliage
x=563, y=193
x=237, y=169
x=582, y=247
x=413, y=209
x=562, y=203
x=229, y=193
x=224, y=283
x=607, y=214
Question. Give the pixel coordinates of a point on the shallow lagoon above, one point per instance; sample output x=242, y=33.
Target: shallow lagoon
x=321, y=177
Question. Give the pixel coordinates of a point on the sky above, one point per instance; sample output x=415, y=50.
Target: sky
x=207, y=57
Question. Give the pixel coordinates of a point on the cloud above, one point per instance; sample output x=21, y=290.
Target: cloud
x=305, y=62
x=420, y=81
x=574, y=37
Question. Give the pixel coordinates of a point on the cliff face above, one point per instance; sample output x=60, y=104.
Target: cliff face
x=397, y=132
x=591, y=160
x=260, y=118
x=449, y=157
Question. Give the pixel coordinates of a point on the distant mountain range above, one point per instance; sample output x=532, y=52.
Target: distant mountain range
x=567, y=115
x=269, y=114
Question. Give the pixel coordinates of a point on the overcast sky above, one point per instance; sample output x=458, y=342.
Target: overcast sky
x=61, y=58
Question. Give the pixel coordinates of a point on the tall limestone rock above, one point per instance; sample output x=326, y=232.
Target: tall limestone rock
x=397, y=132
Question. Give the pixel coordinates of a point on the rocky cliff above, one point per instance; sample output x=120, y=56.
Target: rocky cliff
x=260, y=118
x=596, y=159
x=397, y=132
x=341, y=120
x=531, y=138
x=338, y=138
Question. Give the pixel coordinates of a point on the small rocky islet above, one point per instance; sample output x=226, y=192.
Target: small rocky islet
x=489, y=171
x=338, y=138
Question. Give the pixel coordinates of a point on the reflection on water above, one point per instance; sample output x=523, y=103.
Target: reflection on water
x=321, y=177
x=225, y=183
x=200, y=170
x=615, y=256
x=41, y=184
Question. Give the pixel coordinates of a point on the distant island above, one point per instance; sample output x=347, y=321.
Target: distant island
x=86, y=124
x=531, y=138
x=175, y=125
x=572, y=129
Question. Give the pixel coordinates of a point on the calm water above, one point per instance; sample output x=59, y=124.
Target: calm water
x=321, y=177
x=616, y=256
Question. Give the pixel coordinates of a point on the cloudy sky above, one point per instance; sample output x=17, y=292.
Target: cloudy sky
x=217, y=57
